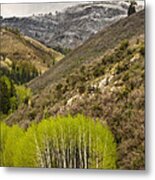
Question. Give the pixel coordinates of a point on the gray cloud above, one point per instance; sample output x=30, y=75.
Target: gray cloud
x=9, y=10
x=28, y=9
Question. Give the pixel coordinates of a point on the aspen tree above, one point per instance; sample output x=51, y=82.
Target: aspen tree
x=60, y=142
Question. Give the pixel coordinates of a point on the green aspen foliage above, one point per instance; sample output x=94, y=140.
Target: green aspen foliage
x=60, y=142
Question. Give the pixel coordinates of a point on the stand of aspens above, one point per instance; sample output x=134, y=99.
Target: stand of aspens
x=59, y=142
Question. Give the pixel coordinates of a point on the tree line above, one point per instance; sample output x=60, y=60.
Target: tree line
x=20, y=72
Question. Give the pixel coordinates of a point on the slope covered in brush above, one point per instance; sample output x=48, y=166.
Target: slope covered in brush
x=92, y=49
x=104, y=78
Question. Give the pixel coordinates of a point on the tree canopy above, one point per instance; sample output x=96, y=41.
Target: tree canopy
x=59, y=142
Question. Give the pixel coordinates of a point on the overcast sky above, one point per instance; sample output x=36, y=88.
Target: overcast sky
x=28, y=9
x=9, y=10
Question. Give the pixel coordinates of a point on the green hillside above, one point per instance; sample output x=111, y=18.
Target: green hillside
x=102, y=79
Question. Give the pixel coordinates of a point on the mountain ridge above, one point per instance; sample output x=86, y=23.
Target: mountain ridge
x=29, y=50
x=72, y=27
x=128, y=29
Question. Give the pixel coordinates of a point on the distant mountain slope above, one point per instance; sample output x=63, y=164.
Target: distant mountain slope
x=93, y=48
x=104, y=79
x=16, y=47
x=72, y=27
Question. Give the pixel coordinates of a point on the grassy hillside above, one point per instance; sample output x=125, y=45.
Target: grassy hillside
x=102, y=79
x=15, y=47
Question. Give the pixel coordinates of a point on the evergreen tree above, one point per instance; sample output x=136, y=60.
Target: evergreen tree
x=4, y=97
x=132, y=9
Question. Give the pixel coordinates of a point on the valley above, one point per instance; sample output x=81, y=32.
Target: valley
x=98, y=84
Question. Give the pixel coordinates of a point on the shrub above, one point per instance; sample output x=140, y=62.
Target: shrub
x=124, y=44
x=23, y=94
x=130, y=51
x=98, y=71
x=142, y=50
x=109, y=59
x=82, y=88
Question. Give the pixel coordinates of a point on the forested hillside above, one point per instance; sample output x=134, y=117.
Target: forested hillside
x=103, y=80
x=21, y=60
